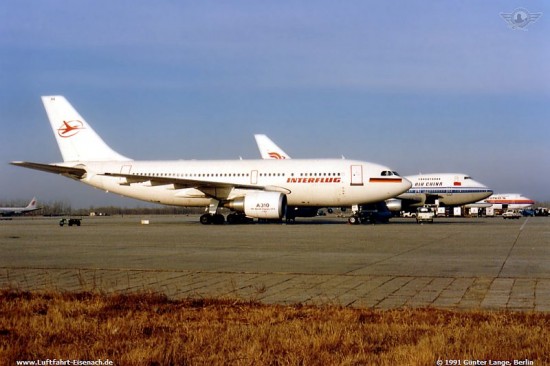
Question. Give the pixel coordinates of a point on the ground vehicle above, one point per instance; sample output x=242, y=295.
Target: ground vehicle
x=511, y=214
x=541, y=211
x=424, y=214
x=69, y=222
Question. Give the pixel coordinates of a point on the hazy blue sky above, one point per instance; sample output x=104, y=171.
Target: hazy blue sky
x=420, y=86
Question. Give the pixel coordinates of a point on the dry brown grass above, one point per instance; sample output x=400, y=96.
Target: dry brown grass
x=150, y=329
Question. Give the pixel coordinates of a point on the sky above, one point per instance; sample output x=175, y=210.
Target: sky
x=419, y=86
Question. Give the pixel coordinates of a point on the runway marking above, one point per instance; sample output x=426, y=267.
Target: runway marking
x=522, y=226
x=512, y=247
x=394, y=256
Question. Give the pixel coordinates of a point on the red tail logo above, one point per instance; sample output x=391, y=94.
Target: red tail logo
x=275, y=155
x=71, y=128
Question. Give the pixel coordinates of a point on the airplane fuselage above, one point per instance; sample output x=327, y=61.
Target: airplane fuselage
x=512, y=201
x=448, y=189
x=330, y=182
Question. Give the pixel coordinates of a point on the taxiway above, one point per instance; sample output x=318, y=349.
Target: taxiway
x=464, y=263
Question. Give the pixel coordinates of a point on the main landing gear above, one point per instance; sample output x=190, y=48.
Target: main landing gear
x=368, y=215
x=218, y=219
x=361, y=219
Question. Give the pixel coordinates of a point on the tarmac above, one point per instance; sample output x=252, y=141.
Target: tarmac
x=454, y=263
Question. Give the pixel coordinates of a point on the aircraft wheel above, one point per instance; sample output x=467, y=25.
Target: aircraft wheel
x=206, y=219
x=218, y=219
x=353, y=220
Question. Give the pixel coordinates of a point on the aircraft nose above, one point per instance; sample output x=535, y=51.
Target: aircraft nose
x=395, y=189
x=483, y=190
x=405, y=185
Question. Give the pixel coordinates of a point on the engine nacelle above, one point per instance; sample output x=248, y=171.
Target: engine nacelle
x=260, y=205
x=394, y=204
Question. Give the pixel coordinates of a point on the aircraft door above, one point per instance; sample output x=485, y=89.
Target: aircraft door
x=254, y=177
x=356, y=175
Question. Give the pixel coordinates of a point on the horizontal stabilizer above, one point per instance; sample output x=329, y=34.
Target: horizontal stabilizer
x=73, y=172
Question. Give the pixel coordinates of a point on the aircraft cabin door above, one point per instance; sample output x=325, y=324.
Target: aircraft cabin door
x=254, y=177
x=356, y=175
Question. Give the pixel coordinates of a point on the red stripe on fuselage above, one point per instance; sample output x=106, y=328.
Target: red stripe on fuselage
x=385, y=180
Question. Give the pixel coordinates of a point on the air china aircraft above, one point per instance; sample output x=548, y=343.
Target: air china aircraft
x=249, y=188
x=444, y=189
x=11, y=211
x=513, y=201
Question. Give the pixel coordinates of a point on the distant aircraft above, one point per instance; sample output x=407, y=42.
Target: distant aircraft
x=268, y=149
x=513, y=201
x=444, y=189
x=249, y=188
x=12, y=211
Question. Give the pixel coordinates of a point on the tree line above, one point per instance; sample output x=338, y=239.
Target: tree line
x=64, y=208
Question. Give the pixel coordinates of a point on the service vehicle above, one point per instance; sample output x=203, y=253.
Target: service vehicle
x=424, y=214
x=511, y=214
x=69, y=222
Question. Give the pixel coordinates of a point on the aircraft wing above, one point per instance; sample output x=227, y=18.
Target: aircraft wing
x=213, y=189
x=72, y=172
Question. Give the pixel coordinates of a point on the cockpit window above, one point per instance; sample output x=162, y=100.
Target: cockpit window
x=388, y=173
x=467, y=177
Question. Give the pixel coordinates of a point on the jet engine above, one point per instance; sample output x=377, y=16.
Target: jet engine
x=261, y=205
x=394, y=204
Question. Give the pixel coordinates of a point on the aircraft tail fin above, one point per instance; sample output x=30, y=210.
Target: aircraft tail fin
x=268, y=149
x=32, y=205
x=76, y=139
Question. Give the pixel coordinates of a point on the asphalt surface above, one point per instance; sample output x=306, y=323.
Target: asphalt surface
x=461, y=263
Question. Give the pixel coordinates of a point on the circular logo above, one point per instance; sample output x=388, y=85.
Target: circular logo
x=520, y=18
x=70, y=128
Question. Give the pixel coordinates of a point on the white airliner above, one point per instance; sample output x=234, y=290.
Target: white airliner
x=513, y=201
x=444, y=189
x=11, y=211
x=250, y=188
